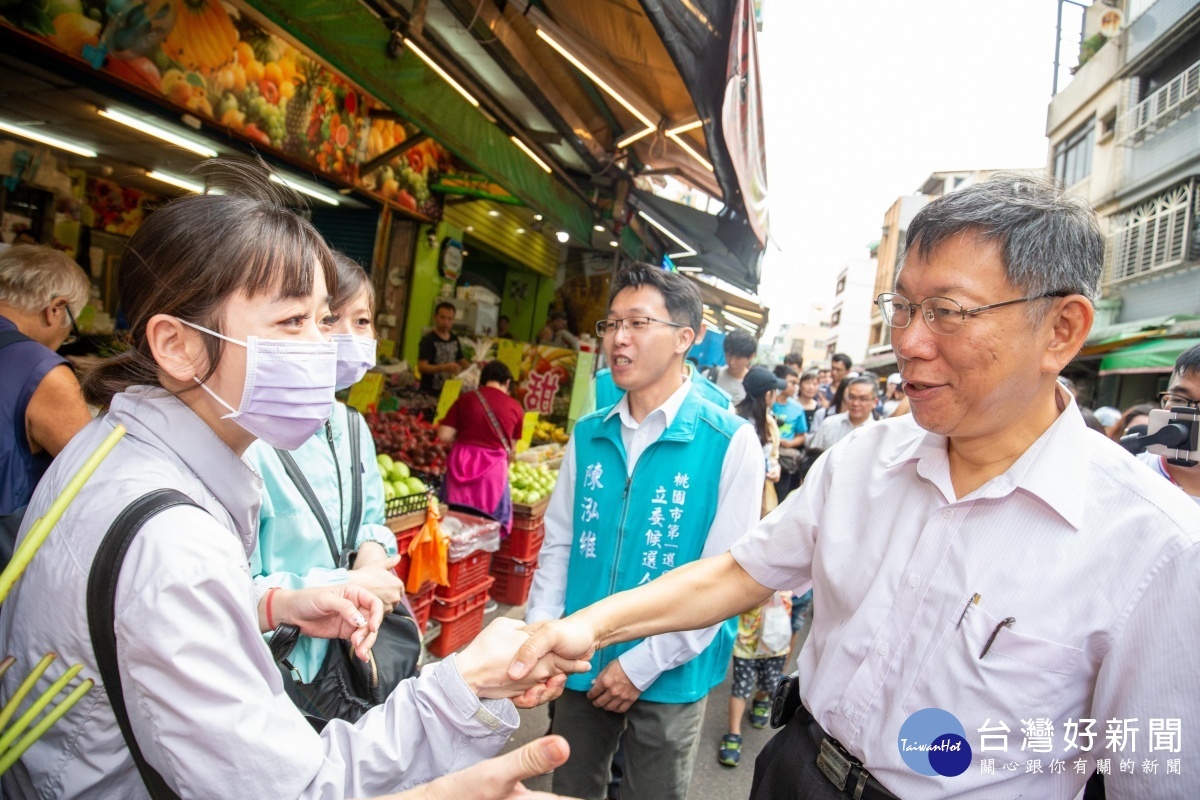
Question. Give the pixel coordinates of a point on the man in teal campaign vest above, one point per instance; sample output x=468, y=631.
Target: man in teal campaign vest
x=660, y=478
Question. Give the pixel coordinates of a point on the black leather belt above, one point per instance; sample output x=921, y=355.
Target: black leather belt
x=843, y=770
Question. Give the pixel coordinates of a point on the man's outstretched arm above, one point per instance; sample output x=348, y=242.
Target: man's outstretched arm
x=693, y=596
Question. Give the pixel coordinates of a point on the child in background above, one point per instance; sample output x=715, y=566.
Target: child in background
x=759, y=655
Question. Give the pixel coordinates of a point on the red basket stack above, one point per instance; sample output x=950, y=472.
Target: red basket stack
x=422, y=605
x=516, y=560
x=461, y=616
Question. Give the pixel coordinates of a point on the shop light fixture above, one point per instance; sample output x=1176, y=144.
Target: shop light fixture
x=688, y=250
x=176, y=181
x=563, y=237
x=690, y=269
x=529, y=152
x=493, y=213
x=150, y=129
x=610, y=91
x=614, y=243
x=598, y=228
x=410, y=44
x=538, y=217
x=674, y=136
x=741, y=323
x=633, y=137
x=745, y=312
x=311, y=191
x=520, y=230
x=41, y=138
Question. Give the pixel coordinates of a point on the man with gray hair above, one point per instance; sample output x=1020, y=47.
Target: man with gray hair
x=1004, y=602
x=859, y=398
x=41, y=406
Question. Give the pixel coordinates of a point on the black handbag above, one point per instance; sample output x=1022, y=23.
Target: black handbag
x=346, y=687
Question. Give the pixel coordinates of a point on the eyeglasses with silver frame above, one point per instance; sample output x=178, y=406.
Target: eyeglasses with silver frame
x=943, y=315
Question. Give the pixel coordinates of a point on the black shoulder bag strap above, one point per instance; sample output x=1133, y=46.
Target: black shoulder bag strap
x=354, y=431
x=306, y=491
x=101, y=611
x=491, y=415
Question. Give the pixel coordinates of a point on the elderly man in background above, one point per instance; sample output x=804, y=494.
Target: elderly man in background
x=988, y=575
x=41, y=406
x=860, y=400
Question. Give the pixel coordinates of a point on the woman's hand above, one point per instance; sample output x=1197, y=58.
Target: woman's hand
x=484, y=666
x=497, y=778
x=379, y=578
x=327, y=612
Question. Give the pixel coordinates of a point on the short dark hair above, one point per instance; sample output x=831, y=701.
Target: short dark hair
x=842, y=359
x=794, y=360
x=740, y=344
x=784, y=371
x=557, y=315
x=352, y=281
x=503, y=317
x=495, y=372
x=444, y=304
x=679, y=294
x=191, y=255
x=1188, y=362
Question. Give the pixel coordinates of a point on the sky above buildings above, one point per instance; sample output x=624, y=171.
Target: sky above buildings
x=863, y=100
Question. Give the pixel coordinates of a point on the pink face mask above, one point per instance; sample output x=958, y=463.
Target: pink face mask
x=289, y=388
x=355, y=355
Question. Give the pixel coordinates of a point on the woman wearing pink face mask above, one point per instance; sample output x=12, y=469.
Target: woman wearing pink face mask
x=224, y=294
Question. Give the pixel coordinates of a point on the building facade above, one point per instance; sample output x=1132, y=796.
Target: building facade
x=850, y=313
x=1124, y=135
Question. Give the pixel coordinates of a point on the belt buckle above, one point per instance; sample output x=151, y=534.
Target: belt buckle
x=832, y=762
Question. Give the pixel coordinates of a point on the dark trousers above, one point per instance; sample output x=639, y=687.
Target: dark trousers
x=786, y=769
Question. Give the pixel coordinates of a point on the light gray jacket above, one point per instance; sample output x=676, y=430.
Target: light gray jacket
x=204, y=697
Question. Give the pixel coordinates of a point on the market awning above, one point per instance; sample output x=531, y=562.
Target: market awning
x=1146, y=357
x=693, y=241
x=729, y=310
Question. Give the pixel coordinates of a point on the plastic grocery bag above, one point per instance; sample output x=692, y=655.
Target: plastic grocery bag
x=776, y=626
x=428, y=551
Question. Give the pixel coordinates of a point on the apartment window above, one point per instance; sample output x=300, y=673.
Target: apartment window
x=1152, y=237
x=1073, y=155
x=841, y=285
x=836, y=318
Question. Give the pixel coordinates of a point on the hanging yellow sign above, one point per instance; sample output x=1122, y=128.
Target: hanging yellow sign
x=365, y=394
x=450, y=392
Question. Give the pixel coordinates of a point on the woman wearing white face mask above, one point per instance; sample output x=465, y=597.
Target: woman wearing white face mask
x=293, y=549
x=225, y=292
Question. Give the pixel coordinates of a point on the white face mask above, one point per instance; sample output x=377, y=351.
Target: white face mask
x=288, y=393
x=355, y=355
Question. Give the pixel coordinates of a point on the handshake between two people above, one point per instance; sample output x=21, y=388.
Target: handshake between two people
x=352, y=612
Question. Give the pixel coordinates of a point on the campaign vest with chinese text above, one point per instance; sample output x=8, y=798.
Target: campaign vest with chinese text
x=629, y=530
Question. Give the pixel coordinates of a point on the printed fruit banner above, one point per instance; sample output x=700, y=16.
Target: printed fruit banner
x=210, y=59
x=545, y=380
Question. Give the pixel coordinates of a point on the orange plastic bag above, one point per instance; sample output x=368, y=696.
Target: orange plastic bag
x=428, y=552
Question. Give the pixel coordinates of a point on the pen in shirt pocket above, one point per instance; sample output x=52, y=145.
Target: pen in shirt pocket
x=974, y=601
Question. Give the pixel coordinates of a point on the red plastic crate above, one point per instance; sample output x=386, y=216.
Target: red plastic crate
x=460, y=630
x=513, y=579
x=466, y=573
x=446, y=608
x=403, y=540
x=521, y=522
x=522, y=545
x=422, y=605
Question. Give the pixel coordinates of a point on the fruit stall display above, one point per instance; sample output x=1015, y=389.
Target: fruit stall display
x=406, y=437
x=530, y=483
x=549, y=433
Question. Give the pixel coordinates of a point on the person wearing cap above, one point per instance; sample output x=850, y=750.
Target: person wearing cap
x=661, y=479
x=555, y=333
x=762, y=387
x=894, y=393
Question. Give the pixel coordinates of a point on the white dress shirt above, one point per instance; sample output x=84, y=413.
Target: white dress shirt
x=205, y=699
x=1095, y=557
x=742, y=475
x=834, y=429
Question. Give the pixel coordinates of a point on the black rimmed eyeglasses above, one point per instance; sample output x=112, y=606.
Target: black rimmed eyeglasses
x=634, y=325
